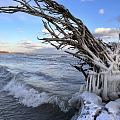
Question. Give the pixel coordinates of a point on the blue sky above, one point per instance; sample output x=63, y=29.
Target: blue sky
x=18, y=32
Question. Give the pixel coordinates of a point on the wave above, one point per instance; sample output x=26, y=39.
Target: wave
x=5, y=74
x=30, y=97
x=3, y=70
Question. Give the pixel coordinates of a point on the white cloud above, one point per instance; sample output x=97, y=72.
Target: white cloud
x=45, y=31
x=105, y=33
x=29, y=45
x=101, y=11
x=3, y=43
x=5, y=46
x=24, y=39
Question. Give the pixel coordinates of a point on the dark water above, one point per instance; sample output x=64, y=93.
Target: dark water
x=38, y=87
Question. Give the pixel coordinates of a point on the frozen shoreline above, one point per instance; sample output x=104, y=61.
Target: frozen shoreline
x=92, y=108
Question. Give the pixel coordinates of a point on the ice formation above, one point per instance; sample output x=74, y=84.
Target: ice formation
x=93, y=108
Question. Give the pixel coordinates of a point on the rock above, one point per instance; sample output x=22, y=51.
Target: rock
x=91, y=97
x=94, y=109
x=89, y=112
x=85, y=118
x=75, y=117
x=118, y=100
x=91, y=106
x=82, y=88
x=113, y=107
x=105, y=116
x=113, y=96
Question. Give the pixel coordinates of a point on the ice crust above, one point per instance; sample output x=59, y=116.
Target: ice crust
x=94, y=109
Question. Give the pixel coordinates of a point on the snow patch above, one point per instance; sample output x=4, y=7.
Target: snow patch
x=91, y=97
x=94, y=109
x=113, y=107
x=105, y=116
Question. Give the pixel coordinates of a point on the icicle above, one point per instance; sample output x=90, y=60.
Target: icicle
x=114, y=86
x=102, y=79
x=87, y=84
x=93, y=83
x=105, y=87
x=90, y=84
x=98, y=80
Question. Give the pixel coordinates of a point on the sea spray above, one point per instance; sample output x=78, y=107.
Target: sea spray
x=31, y=97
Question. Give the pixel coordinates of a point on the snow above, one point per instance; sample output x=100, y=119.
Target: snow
x=91, y=97
x=89, y=111
x=118, y=101
x=94, y=109
x=92, y=105
x=105, y=116
x=113, y=107
x=105, y=83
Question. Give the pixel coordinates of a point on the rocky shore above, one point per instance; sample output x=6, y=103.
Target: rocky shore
x=93, y=108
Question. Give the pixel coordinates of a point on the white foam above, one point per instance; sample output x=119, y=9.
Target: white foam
x=75, y=99
x=29, y=97
x=32, y=98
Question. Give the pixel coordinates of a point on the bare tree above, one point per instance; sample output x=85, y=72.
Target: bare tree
x=67, y=30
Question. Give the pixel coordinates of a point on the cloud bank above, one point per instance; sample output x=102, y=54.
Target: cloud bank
x=105, y=33
x=29, y=45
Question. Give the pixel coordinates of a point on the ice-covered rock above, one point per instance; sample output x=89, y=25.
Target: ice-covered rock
x=91, y=97
x=94, y=109
x=113, y=95
x=89, y=112
x=113, y=107
x=91, y=106
x=118, y=101
x=105, y=116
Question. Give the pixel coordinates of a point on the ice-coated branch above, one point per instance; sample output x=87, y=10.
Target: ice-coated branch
x=66, y=30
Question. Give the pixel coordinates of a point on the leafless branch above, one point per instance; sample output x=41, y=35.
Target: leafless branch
x=72, y=31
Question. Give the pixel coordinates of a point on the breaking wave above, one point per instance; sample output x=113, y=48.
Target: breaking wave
x=29, y=96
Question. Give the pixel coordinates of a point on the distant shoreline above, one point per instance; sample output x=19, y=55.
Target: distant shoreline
x=5, y=52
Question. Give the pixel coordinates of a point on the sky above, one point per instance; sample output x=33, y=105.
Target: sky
x=19, y=31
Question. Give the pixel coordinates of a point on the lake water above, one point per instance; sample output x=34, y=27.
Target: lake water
x=38, y=87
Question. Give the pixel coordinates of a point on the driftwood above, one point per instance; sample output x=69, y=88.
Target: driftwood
x=69, y=31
